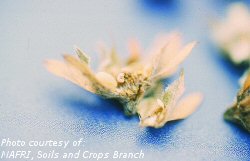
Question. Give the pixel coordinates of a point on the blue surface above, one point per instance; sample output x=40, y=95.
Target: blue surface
x=37, y=105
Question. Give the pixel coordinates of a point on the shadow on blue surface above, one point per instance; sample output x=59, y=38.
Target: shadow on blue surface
x=160, y=7
x=158, y=138
x=232, y=71
x=99, y=116
x=104, y=117
x=101, y=108
x=238, y=134
x=235, y=128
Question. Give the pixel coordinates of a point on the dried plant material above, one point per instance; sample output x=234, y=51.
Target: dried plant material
x=232, y=34
x=129, y=81
x=155, y=112
x=240, y=111
x=82, y=56
x=244, y=77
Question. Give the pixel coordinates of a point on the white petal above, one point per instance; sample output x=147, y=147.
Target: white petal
x=186, y=106
x=87, y=72
x=173, y=92
x=106, y=80
x=70, y=73
x=173, y=64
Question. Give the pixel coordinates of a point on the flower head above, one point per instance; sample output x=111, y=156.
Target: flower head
x=128, y=81
x=240, y=111
x=158, y=110
x=233, y=34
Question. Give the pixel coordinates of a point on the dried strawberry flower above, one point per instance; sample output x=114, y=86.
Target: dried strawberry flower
x=156, y=111
x=232, y=35
x=240, y=110
x=129, y=81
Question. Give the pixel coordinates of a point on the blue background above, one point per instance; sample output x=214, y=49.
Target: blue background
x=35, y=105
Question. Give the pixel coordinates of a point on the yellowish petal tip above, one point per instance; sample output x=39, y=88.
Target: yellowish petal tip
x=106, y=79
x=199, y=97
x=67, y=56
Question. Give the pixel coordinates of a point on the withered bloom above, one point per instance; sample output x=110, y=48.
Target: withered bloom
x=156, y=111
x=240, y=111
x=129, y=81
x=232, y=34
